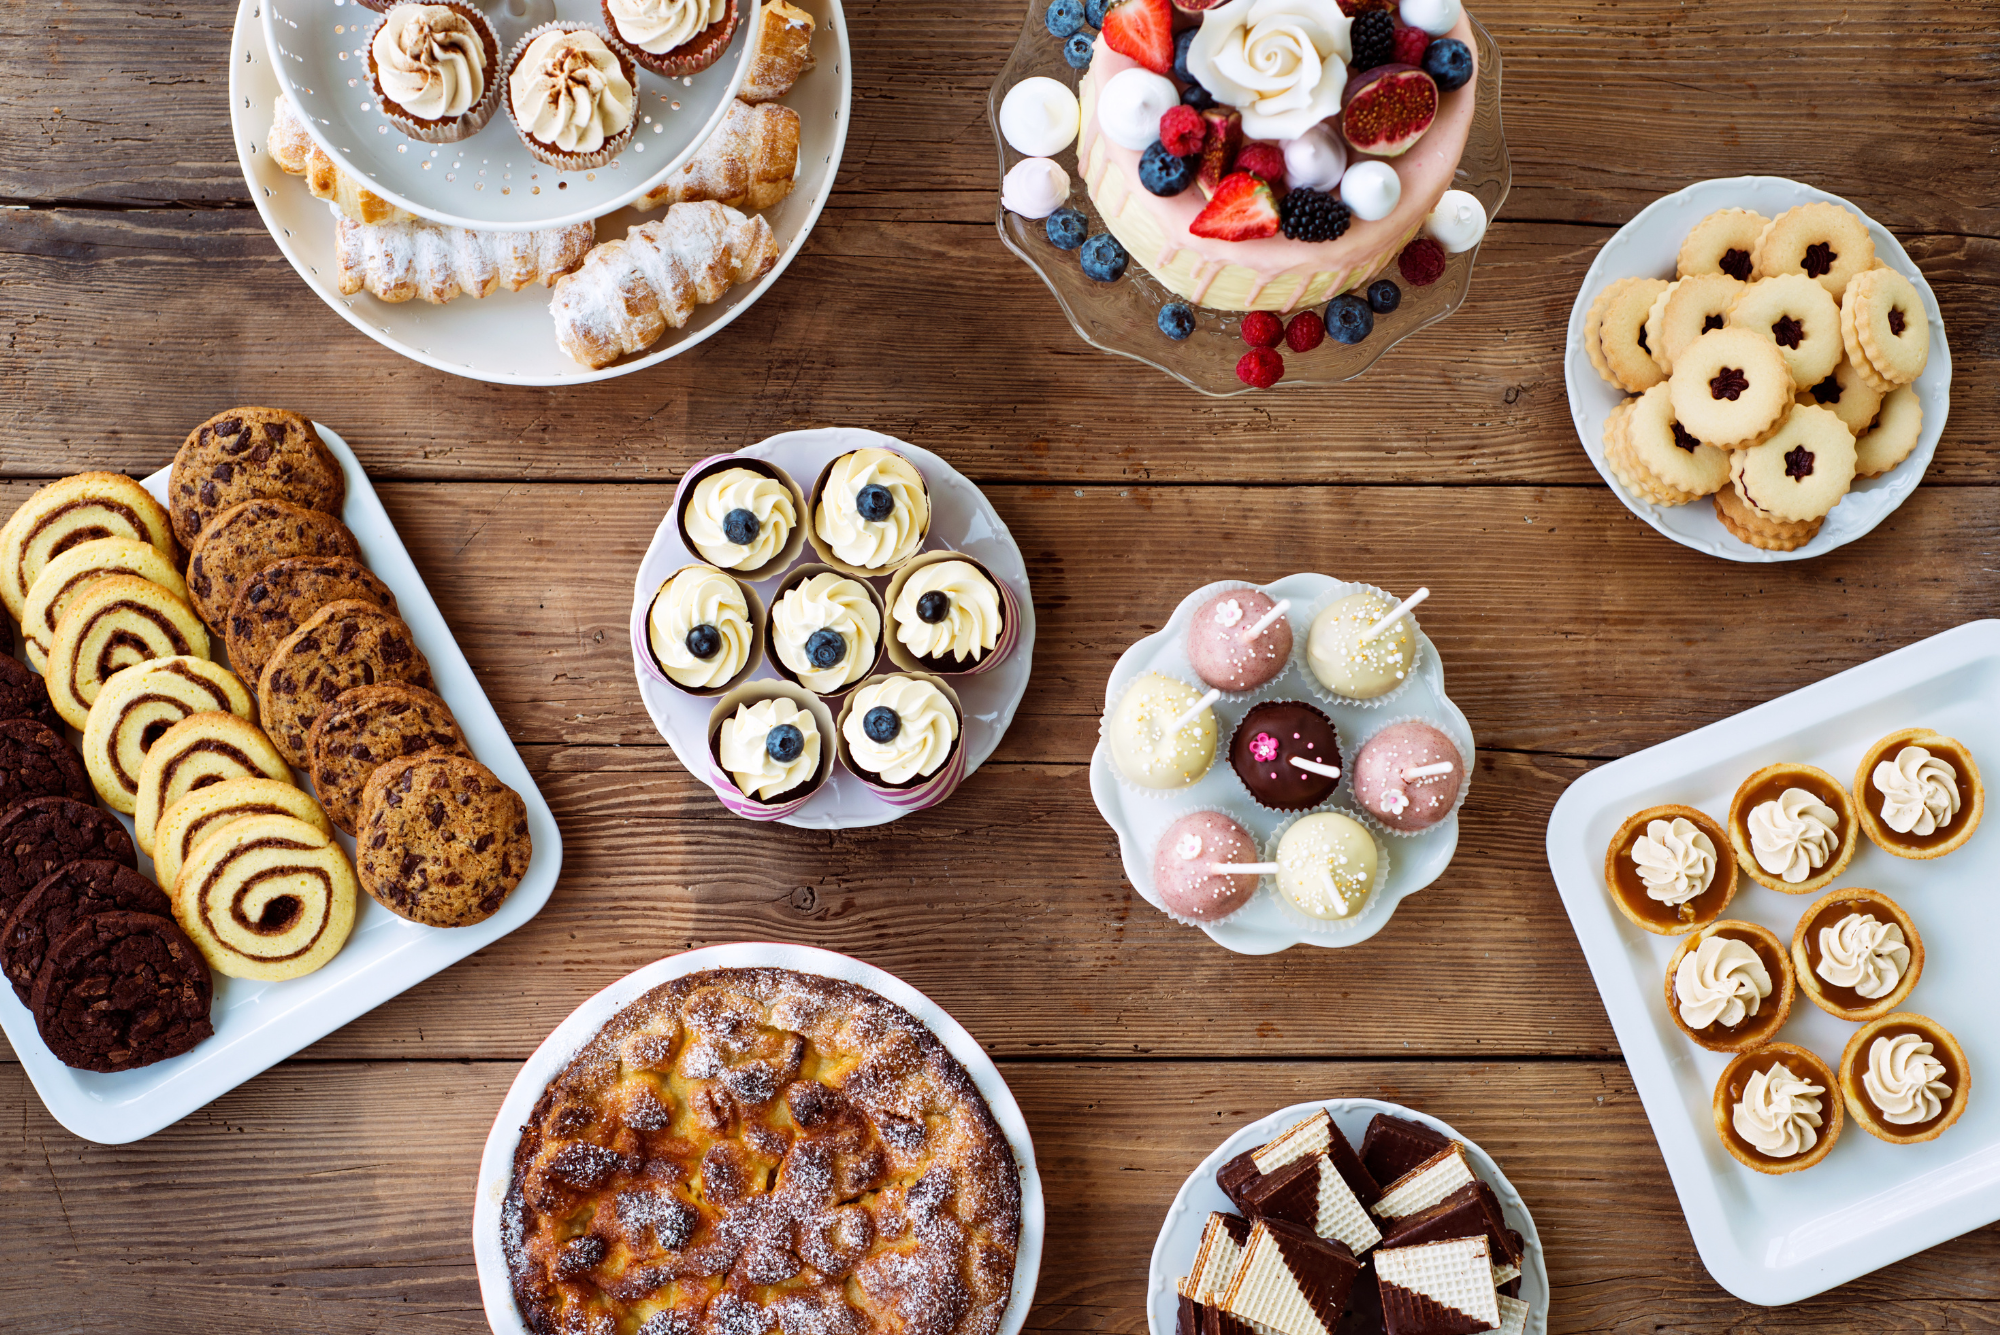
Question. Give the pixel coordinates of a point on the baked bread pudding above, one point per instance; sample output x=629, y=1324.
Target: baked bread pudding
x=762, y=1150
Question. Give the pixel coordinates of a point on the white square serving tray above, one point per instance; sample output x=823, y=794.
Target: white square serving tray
x=1776, y=1240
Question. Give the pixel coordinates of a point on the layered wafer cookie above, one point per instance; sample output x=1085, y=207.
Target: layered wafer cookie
x=1437, y=1286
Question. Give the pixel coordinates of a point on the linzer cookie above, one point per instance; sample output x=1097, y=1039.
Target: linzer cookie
x=1438, y=1288
x=122, y=990
x=137, y=706
x=1730, y=387
x=1884, y=327
x=346, y=644
x=266, y=897
x=1747, y=525
x=72, y=511
x=246, y=453
x=240, y=541
x=1664, y=454
x=24, y=694
x=1691, y=307
x=365, y=728
x=1823, y=241
x=1801, y=471
x=72, y=892
x=44, y=833
x=283, y=595
x=1615, y=333
x=36, y=762
x=200, y=750
x=1799, y=318
x=116, y=622
x=1851, y=397
x=441, y=841
x=1722, y=243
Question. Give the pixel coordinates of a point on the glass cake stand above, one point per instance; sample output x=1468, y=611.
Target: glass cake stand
x=1121, y=317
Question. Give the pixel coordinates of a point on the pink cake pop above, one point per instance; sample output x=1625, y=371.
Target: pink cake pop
x=1221, y=655
x=1181, y=868
x=1397, y=776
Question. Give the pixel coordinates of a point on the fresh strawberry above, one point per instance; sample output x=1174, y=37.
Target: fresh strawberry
x=1143, y=30
x=1183, y=130
x=1261, y=157
x=1411, y=43
x=1218, y=153
x=1242, y=209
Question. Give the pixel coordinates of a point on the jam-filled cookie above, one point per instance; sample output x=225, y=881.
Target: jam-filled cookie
x=1849, y=394
x=1799, y=318
x=245, y=538
x=1747, y=526
x=345, y=644
x=442, y=841
x=245, y=453
x=1883, y=323
x=1618, y=458
x=1618, y=318
x=1666, y=454
x=1692, y=307
x=1894, y=434
x=1801, y=472
x=1730, y=388
x=1823, y=241
x=1725, y=242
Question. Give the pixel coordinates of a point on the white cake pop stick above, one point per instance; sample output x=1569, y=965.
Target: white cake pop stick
x=1245, y=868
x=1194, y=709
x=1314, y=767
x=1426, y=771
x=1284, y=605
x=1401, y=610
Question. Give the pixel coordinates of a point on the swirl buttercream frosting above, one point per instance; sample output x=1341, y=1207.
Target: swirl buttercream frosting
x=1676, y=861
x=948, y=610
x=854, y=527
x=744, y=746
x=656, y=26
x=1904, y=1081
x=699, y=629
x=1721, y=981
x=827, y=602
x=1919, y=791
x=1860, y=953
x=430, y=60
x=926, y=729
x=1793, y=835
x=1282, y=63
x=739, y=519
x=568, y=90
x=1779, y=1113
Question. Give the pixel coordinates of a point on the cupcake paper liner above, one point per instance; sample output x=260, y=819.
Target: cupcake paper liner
x=1233, y=812
x=923, y=793
x=826, y=553
x=1369, y=818
x=548, y=154
x=1208, y=593
x=795, y=541
x=642, y=648
x=1010, y=617
x=1297, y=916
x=732, y=797
x=1157, y=794
x=456, y=128
x=799, y=576
x=690, y=57
x=1303, y=659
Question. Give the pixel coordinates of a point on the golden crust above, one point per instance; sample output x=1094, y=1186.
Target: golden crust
x=1747, y=526
x=1833, y=795
x=1725, y=869
x=760, y=1147
x=1809, y=982
x=1771, y=1015
x=1973, y=805
x=1807, y=1066
x=1854, y=1063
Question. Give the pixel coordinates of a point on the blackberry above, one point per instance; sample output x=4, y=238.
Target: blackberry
x=1312, y=215
x=1374, y=38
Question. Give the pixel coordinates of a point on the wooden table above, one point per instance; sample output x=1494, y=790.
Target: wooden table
x=334, y=1193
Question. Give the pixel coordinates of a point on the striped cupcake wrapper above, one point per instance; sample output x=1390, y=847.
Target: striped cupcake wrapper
x=932, y=790
x=1010, y=630
x=1003, y=645
x=749, y=807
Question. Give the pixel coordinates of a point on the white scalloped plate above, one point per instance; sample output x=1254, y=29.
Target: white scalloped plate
x=1646, y=248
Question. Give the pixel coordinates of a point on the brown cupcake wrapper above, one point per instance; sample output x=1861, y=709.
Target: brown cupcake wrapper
x=548, y=154
x=690, y=57
x=450, y=130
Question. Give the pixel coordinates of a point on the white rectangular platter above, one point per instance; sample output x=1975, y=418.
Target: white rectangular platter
x=1775, y=1240
x=258, y=1025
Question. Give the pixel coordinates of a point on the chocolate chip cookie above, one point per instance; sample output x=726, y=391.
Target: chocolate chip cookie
x=246, y=453
x=65, y=896
x=442, y=841
x=122, y=990
x=283, y=595
x=43, y=833
x=245, y=538
x=364, y=729
x=343, y=645
x=35, y=761
x=23, y=693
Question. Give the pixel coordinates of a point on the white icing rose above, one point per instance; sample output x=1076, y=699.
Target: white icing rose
x=569, y=90
x=927, y=728
x=743, y=746
x=1863, y=954
x=1721, y=981
x=970, y=626
x=700, y=596
x=1779, y=1113
x=870, y=544
x=1793, y=835
x=655, y=26
x=1904, y=1080
x=1676, y=860
x=431, y=61
x=1282, y=63
x=827, y=601
x=768, y=500
x=1919, y=792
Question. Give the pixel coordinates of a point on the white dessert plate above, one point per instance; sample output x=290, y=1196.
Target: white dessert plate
x=496, y=1164
x=320, y=56
x=1180, y=1234
x=1646, y=247
x=258, y=1024
x=509, y=338
x=1775, y=1240
x=962, y=520
x=1267, y=923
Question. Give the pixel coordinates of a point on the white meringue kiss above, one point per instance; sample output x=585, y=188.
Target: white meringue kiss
x=1039, y=117
x=1436, y=17
x=1130, y=107
x=1458, y=223
x=1034, y=188
x=1371, y=190
x=1316, y=159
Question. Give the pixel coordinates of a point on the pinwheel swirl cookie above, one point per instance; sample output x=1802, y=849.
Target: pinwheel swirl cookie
x=266, y=897
x=138, y=706
x=66, y=577
x=116, y=623
x=75, y=510
x=200, y=750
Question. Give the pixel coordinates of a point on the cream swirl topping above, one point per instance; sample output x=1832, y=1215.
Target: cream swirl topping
x=698, y=597
x=871, y=543
x=1282, y=63
x=1676, y=860
x=743, y=744
x=961, y=622
x=431, y=61
x=827, y=602
x=766, y=522
x=1904, y=1080
x=1721, y=981
x=1919, y=791
x=655, y=26
x=1779, y=1113
x=569, y=90
x=1863, y=954
x=926, y=729
x=1792, y=835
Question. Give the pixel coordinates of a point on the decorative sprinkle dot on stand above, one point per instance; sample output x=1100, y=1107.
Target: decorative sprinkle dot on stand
x=479, y=185
x=676, y=106
x=505, y=190
x=427, y=166
x=687, y=81
x=340, y=27
x=381, y=129
x=590, y=176
x=353, y=83
x=449, y=177
x=535, y=190
x=343, y=55
x=402, y=148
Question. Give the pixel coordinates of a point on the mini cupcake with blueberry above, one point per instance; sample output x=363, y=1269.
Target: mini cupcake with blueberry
x=771, y=745
x=703, y=633
x=435, y=70
x=741, y=514
x=572, y=95
x=871, y=512
x=825, y=630
x=949, y=615
x=902, y=734
x=672, y=37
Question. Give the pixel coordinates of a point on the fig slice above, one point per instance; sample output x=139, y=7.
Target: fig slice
x=1386, y=110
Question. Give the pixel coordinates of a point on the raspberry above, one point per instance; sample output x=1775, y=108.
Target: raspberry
x=1261, y=157
x=1260, y=368
x=1422, y=262
x=1261, y=329
x=1182, y=131
x=1411, y=43
x=1306, y=332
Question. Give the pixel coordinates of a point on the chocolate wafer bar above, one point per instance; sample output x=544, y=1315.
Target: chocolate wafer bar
x=1318, y=1135
x=1427, y=1184
x=1392, y=1146
x=1472, y=1209
x=1437, y=1288
x=1513, y=1316
x=1310, y=1193
x=1291, y=1280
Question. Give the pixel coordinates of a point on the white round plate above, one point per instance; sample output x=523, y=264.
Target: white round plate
x=962, y=520
x=1180, y=1235
x=320, y=56
x=1267, y=923
x=509, y=338
x=496, y=1164
x=1646, y=247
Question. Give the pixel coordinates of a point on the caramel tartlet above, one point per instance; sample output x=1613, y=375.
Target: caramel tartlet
x=1759, y=1016
x=1785, y=1120
x=1673, y=855
x=1793, y=833
x=1861, y=953
x=1880, y=1079
x=1921, y=792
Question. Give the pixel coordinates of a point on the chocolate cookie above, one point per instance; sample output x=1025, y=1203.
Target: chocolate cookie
x=122, y=990
x=72, y=892
x=35, y=761
x=345, y=644
x=23, y=693
x=41, y=834
x=245, y=538
x=283, y=595
x=442, y=840
x=367, y=727
x=246, y=453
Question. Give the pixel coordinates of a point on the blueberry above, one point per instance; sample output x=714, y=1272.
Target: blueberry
x=1348, y=319
x=1162, y=173
x=1194, y=95
x=1064, y=17
x=1104, y=259
x=741, y=527
x=785, y=743
x=825, y=648
x=1066, y=229
x=1384, y=296
x=881, y=724
x=1176, y=320
x=1448, y=61
x=704, y=641
x=933, y=607
x=1094, y=12
x=1076, y=50
x=874, y=503
x=1181, y=45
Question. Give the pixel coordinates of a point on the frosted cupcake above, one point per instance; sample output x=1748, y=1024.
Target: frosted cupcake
x=871, y=511
x=948, y=614
x=742, y=515
x=772, y=747
x=704, y=631
x=672, y=37
x=435, y=70
x=571, y=96
x=825, y=630
x=903, y=736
